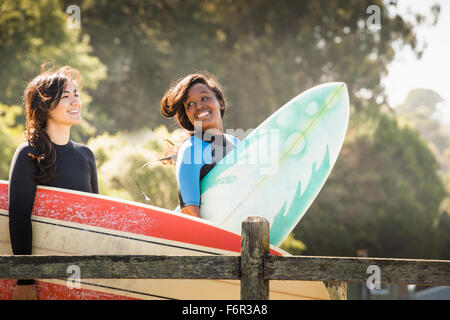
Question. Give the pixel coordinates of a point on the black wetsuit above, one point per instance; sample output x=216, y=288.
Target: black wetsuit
x=75, y=170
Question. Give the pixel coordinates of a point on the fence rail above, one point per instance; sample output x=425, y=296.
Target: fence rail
x=254, y=267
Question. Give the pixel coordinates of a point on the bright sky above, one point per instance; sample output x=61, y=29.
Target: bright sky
x=433, y=70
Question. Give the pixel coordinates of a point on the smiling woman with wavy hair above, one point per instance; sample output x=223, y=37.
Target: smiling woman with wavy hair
x=42, y=96
x=197, y=101
x=172, y=104
x=48, y=157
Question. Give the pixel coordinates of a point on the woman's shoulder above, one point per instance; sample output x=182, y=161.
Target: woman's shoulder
x=24, y=149
x=22, y=156
x=190, y=143
x=191, y=151
x=83, y=149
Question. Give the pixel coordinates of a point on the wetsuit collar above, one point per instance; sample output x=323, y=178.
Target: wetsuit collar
x=207, y=137
x=64, y=147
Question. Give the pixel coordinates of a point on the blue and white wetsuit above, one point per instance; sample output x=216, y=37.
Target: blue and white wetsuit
x=196, y=157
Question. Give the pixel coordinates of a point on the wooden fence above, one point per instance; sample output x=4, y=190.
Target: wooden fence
x=254, y=267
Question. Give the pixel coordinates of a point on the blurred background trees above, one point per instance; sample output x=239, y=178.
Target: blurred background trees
x=33, y=33
x=388, y=192
x=254, y=47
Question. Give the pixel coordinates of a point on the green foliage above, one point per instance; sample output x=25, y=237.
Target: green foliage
x=443, y=235
x=292, y=245
x=264, y=52
x=11, y=135
x=35, y=33
x=383, y=195
x=419, y=111
x=120, y=164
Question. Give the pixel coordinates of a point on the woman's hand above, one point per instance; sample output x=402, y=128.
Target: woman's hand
x=192, y=211
x=25, y=292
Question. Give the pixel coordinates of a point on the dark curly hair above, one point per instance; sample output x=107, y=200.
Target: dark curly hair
x=42, y=94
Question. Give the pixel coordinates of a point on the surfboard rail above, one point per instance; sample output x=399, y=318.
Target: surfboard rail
x=69, y=223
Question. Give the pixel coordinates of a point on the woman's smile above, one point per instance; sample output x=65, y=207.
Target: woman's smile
x=203, y=108
x=75, y=111
x=202, y=114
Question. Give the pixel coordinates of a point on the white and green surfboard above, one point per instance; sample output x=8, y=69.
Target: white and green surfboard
x=279, y=168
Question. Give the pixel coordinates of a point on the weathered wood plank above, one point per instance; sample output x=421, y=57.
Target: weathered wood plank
x=421, y=272
x=402, y=271
x=254, y=246
x=121, y=267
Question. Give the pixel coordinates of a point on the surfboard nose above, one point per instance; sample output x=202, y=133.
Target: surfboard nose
x=340, y=87
x=343, y=85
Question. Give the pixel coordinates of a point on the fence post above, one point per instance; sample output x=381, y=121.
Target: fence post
x=254, y=245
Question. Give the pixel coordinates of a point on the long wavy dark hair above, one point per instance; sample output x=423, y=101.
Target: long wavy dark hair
x=172, y=104
x=42, y=94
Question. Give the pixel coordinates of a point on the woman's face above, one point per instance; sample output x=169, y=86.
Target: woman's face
x=68, y=110
x=203, y=108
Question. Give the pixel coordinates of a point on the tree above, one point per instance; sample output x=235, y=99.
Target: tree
x=34, y=33
x=383, y=195
x=419, y=111
x=11, y=135
x=443, y=235
x=128, y=166
x=264, y=52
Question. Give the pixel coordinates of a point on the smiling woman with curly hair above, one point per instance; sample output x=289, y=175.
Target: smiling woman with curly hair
x=48, y=157
x=198, y=103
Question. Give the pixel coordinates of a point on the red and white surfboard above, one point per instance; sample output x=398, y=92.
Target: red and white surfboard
x=71, y=222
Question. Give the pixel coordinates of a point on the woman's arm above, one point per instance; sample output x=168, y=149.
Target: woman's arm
x=191, y=210
x=21, y=193
x=188, y=177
